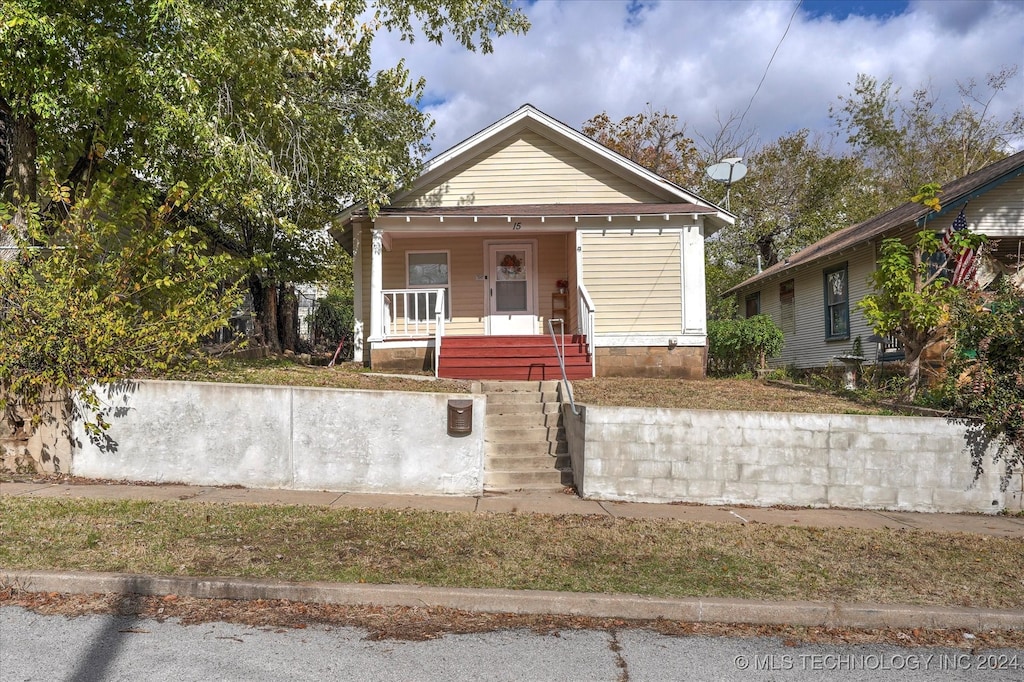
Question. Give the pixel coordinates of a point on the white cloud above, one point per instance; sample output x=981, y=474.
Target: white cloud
x=699, y=59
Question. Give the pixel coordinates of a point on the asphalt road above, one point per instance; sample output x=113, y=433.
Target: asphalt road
x=94, y=648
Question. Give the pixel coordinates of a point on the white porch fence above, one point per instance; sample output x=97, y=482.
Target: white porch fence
x=412, y=313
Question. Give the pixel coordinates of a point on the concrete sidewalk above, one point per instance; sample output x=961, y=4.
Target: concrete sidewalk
x=534, y=502
x=696, y=609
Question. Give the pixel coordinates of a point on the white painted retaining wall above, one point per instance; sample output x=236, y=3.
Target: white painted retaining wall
x=763, y=459
x=284, y=437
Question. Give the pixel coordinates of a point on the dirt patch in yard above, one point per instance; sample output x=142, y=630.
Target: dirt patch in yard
x=712, y=394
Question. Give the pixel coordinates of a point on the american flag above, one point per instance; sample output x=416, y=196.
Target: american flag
x=947, y=237
x=966, y=260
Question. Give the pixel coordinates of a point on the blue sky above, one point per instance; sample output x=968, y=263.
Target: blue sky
x=842, y=9
x=703, y=60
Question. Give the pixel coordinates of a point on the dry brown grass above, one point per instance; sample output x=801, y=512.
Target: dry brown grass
x=711, y=394
x=706, y=394
x=566, y=553
x=283, y=372
x=423, y=623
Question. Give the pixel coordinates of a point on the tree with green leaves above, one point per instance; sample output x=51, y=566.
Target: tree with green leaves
x=270, y=108
x=117, y=286
x=140, y=140
x=912, y=290
x=653, y=139
x=907, y=142
x=985, y=377
x=796, y=191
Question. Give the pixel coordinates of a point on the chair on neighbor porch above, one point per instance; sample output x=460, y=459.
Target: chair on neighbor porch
x=887, y=349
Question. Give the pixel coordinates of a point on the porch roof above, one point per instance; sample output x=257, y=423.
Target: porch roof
x=544, y=210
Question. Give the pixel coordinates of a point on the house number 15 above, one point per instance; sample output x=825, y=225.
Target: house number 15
x=517, y=226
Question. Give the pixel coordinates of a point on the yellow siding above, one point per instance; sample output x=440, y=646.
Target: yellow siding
x=635, y=281
x=467, y=257
x=526, y=169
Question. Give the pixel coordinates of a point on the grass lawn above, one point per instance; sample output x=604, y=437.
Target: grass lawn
x=568, y=553
x=706, y=394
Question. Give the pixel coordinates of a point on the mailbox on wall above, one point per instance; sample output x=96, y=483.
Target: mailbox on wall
x=460, y=417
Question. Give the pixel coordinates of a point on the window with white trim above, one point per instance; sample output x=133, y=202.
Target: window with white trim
x=427, y=270
x=837, y=303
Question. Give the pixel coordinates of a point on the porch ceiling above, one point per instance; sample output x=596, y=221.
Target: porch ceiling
x=424, y=220
x=533, y=216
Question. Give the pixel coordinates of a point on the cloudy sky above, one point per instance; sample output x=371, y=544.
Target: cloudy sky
x=703, y=60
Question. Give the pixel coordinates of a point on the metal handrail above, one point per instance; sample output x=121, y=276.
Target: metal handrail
x=561, y=360
x=438, y=330
x=585, y=321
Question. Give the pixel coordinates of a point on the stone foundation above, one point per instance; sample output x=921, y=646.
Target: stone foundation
x=43, y=448
x=402, y=359
x=682, y=362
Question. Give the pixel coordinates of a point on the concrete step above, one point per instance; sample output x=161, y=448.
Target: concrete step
x=528, y=462
x=522, y=398
x=490, y=387
x=522, y=408
x=519, y=434
x=517, y=449
x=517, y=480
x=516, y=421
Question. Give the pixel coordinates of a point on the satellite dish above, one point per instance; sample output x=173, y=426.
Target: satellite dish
x=727, y=172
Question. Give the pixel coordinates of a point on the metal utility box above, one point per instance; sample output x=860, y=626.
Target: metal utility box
x=460, y=417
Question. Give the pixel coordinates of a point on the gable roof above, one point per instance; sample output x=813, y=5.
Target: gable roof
x=954, y=196
x=528, y=118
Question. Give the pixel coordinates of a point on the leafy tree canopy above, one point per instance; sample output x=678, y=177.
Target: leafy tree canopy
x=910, y=141
x=269, y=108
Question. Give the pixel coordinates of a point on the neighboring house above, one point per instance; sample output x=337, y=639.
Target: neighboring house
x=813, y=294
x=462, y=272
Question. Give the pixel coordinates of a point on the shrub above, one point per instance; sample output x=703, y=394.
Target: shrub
x=735, y=346
x=985, y=379
x=332, y=320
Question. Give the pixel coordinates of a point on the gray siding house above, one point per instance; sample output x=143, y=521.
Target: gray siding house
x=813, y=294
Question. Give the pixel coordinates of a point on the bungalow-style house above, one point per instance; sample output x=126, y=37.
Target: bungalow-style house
x=813, y=294
x=527, y=237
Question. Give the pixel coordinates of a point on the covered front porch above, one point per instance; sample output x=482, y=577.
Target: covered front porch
x=436, y=287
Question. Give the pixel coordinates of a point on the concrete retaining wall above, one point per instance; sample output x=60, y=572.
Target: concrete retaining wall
x=762, y=458
x=283, y=437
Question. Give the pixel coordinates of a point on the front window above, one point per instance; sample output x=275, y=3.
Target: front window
x=787, y=306
x=428, y=270
x=753, y=304
x=837, y=303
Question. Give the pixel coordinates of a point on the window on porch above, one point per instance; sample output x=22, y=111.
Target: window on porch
x=427, y=270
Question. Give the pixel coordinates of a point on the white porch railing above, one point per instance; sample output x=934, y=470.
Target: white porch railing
x=585, y=318
x=412, y=313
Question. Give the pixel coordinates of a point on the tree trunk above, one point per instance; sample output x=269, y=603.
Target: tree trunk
x=264, y=303
x=23, y=143
x=913, y=360
x=288, y=317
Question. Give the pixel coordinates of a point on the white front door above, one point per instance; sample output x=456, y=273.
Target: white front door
x=512, y=307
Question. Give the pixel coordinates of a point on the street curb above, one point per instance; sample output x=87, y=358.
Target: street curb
x=535, y=602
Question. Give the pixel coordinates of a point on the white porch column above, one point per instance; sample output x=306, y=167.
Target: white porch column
x=376, y=286
x=358, y=313
x=694, y=303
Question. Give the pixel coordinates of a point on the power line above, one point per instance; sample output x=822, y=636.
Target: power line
x=765, y=74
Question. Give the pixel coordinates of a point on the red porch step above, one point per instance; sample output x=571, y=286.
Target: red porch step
x=521, y=358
